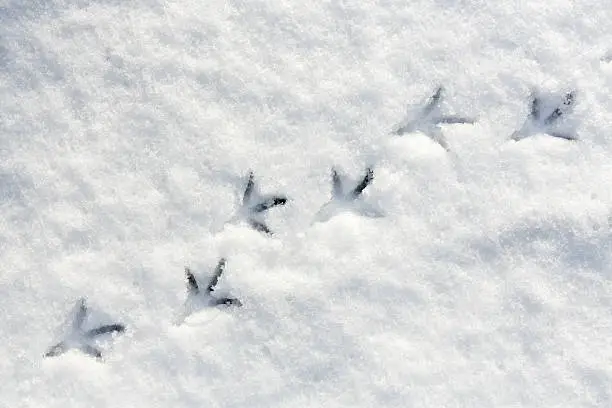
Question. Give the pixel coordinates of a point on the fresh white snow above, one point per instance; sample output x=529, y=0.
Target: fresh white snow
x=128, y=129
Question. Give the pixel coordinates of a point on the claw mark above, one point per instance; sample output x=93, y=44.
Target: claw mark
x=78, y=337
x=109, y=328
x=207, y=297
x=90, y=350
x=192, y=284
x=269, y=203
x=456, y=120
x=228, y=302
x=428, y=119
x=563, y=136
x=336, y=184
x=215, y=278
x=248, y=191
x=56, y=350
x=538, y=123
x=433, y=101
x=254, y=205
x=536, y=104
x=260, y=226
x=81, y=313
x=364, y=183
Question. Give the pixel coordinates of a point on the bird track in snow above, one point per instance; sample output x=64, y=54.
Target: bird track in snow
x=80, y=339
x=428, y=118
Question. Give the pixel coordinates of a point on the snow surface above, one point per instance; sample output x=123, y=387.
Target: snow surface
x=127, y=130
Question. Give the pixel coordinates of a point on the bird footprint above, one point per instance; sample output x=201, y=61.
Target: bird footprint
x=544, y=117
x=345, y=197
x=428, y=119
x=81, y=339
x=199, y=296
x=254, y=206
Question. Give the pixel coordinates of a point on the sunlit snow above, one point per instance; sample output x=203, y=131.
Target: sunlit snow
x=473, y=276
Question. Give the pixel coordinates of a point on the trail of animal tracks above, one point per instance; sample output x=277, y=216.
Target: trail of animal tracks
x=473, y=269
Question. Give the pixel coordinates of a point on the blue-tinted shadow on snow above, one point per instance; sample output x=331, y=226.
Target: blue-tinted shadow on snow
x=305, y=340
x=16, y=10
x=574, y=246
x=11, y=188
